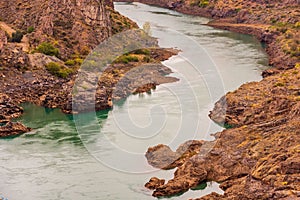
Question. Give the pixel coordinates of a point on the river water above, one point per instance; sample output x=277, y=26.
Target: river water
x=103, y=157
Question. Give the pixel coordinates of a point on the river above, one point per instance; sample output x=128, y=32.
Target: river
x=104, y=158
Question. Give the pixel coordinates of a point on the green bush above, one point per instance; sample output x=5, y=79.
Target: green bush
x=17, y=37
x=30, y=29
x=126, y=59
x=74, y=62
x=58, y=70
x=203, y=3
x=70, y=62
x=48, y=49
x=142, y=51
x=78, y=61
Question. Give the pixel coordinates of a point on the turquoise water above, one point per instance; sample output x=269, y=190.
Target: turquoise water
x=102, y=155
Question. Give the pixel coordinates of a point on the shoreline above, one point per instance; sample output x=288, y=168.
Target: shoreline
x=30, y=87
x=259, y=30
x=258, y=158
x=260, y=114
x=48, y=80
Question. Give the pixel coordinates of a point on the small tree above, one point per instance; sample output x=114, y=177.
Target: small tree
x=17, y=37
x=147, y=28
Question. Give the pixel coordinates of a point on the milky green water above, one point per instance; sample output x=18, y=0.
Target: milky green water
x=102, y=157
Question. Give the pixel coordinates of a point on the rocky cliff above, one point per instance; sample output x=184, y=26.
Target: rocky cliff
x=62, y=30
x=72, y=25
x=43, y=45
x=257, y=159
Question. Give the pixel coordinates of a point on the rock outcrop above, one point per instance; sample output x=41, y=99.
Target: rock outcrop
x=154, y=183
x=260, y=157
x=8, y=108
x=13, y=129
x=162, y=157
x=74, y=25
x=13, y=56
x=275, y=97
x=62, y=33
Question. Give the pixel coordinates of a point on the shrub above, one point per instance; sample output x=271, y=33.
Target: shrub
x=58, y=70
x=85, y=50
x=126, y=59
x=142, y=51
x=17, y=37
x=70, y=62
x=203, y=3
x=48, y=49
x=76, y=61
x=273, y=21
x=146, y=59
x=279, y=84
x=30, y=29
x=281, y=24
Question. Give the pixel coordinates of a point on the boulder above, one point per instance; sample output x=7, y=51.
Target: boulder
x=13, y=129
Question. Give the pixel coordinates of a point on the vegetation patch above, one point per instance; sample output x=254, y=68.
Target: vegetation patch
x=16, y=37
x=47, y=49
x=30, y=29
x=59, y=70
x=289, y=38
x=142, y=51
x=74, y=62
x=126, y=59
x=119, y=22
x=203, y=3
x=200, y=3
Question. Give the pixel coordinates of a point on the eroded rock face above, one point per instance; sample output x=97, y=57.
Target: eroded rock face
x=75, y=24
x=8, y=108
x=269, y=102
x=14, y=57
x=259, y=159
x=162, y=157
x=72, y=26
